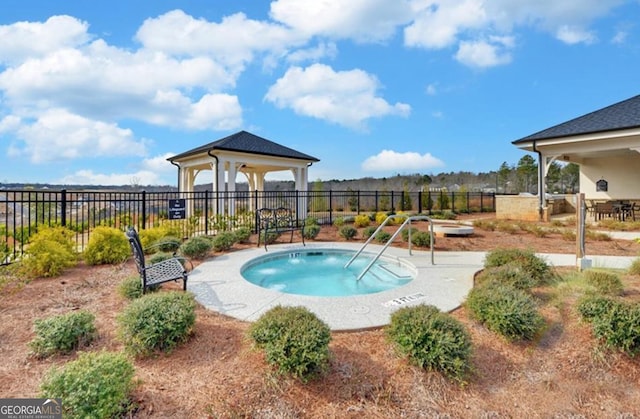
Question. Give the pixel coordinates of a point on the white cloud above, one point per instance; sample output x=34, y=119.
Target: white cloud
x=483, y=54
x=346, y=98
x=322, y=50
x=88, y=177
x=361, y=20
x=24, y=40
x=389, y=160
x=573, y=35
x=59, y=135
x=431, y=90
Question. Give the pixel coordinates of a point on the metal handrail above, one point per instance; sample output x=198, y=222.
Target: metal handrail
x=407, y=221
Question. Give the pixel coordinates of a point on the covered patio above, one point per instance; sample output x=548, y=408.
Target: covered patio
x=604, y=143
x=244, y=153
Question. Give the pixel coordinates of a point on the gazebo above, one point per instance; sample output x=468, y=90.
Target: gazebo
x=245, y=153
x=604, y=143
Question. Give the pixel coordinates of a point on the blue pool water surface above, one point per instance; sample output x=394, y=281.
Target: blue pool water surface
x=322, y=273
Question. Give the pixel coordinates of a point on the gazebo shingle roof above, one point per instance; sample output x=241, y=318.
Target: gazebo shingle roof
x=245, y=142
x=619, y=116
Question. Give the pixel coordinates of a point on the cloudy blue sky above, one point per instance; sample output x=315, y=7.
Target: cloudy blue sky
x=103, y=92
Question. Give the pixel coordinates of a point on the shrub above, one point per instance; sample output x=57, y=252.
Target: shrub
x=368, y=231
x=618, y=327
x=339, y=222
x=348, y=232
x=96, y=385
x=107, y=245
x=383, y=236
x=294, y=340
x=196, y=247
x=421, y=239
x=242, y=235
x=525, y=259
x=634, y=269
x=159, y=257
x=167, y=244
x=157, y=322
x=63, y=333
x=131, y=288
x=49, y=253
x=224, y=241
x=505, y=310
x=380, y=217
x=405, y=233
x=361, y=220
x=431, y=340
x=606, y=283
x=509, y=274
x=269, y=237
x=311, y=231
x=149, y=236
x=591, y=307
x=311, y=221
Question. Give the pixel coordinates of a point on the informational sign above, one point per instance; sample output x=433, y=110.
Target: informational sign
x=177, y=209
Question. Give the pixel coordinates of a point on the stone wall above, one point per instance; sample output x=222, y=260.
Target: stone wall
x=525, y=207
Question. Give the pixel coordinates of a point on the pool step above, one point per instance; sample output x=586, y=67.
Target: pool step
x=395, y=270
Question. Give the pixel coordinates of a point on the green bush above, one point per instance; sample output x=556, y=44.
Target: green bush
x=63, y=333
x=96, y=385
x=619, y=327
x=49, y=253
x=505, y=310
x=525, y=259
x=196, y=247
x=268, y=238
x=347, y=232
x=405, y=233
x=421, y=239
x=509, y=274
x=432, y=340
x=383, y=236
x=368, y=231
x=242, y=235
x=107, y=245
x=224, y=241
x=607, y=283
x=157, y=322
x=131, y=288
x=634, y=269
x=339, y=222
x=311, y=231
x=294, y=340
x=168, y=244
x=592, y=306
x=159, y=257
x=311, y=221
x=150, y=236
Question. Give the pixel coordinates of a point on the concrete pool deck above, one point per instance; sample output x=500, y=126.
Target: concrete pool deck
x=218, y=285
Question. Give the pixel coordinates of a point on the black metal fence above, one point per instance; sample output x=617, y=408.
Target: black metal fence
x=23, y=212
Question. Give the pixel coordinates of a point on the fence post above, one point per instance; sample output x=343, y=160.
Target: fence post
x=144, y=209
x=63, y=207
x=330, y=206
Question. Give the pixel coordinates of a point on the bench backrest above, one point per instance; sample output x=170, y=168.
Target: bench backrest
x=136, y=248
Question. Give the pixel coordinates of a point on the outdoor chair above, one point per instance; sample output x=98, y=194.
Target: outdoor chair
x=171, y=269
x=277, y=221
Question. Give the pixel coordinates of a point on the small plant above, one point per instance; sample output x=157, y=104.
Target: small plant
x=634, y=269
x=242, y=235
x=269, y=237
x=368, y=231
x=592, y=306
x=507, y=227
x=131, y=288
x=569, y=235
x=157, y=322
x=598, y=236
x=509, y=274
x=421, y=239
x=604, y=282
x=380, y=217
x=50, y=252
x=361, y=220
x=618, y=327
x=525, y=259
x=168, y=244
x=63, y=333
x=505, y=310
x=96, y=385
x=488, y=225
x=339, y=222
x=107, y=245
x=383, y=236
x=224, y=241
x=196, y=247
x=159, y=257
x=432, y=340
x=348, y=232
x=405, y=233
x=294, y=340
x=311, y=231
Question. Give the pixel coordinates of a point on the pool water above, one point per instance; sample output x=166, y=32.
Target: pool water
x=322, y=273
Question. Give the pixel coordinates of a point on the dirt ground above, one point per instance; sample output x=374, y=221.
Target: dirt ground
x=562, y=374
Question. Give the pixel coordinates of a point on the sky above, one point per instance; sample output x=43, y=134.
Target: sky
x=102, y=93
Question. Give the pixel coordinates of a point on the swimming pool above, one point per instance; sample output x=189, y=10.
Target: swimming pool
x=321, y=272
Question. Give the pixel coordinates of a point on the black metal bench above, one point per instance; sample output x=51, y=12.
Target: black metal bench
x=277, y=221
x=171, y=269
